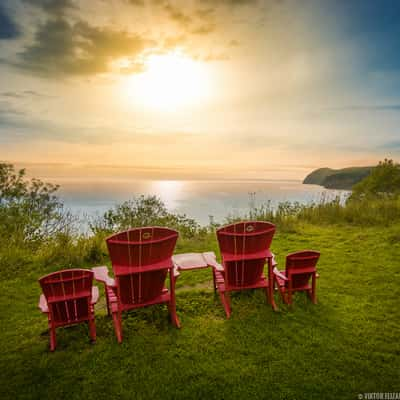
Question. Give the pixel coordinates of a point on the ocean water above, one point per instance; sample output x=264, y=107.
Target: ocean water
x=198, y=199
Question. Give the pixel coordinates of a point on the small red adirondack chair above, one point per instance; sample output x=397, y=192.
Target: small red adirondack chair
x=141, y=259
x=300, y=268
x=245, y=248
x=68, y=298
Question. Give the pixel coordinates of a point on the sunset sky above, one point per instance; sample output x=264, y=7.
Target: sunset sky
x=198, y=88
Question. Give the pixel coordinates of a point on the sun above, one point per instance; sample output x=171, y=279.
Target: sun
x=169, y=82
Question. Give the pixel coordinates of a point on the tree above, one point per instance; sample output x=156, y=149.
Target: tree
x=383, y=182
x=29, y=209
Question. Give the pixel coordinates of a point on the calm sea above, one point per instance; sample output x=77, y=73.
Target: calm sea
x=198, y=199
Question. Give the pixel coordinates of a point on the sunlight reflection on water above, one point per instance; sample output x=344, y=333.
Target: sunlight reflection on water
x=197, y=199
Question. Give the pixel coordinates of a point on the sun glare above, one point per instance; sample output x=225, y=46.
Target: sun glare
x=170, y=81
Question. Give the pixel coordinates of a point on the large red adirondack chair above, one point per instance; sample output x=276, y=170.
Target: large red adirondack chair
x=68, y=298
x=245, y=248
x=141, y=260
x=300, y=268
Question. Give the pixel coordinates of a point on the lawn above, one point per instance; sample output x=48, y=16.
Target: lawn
x=349, y=343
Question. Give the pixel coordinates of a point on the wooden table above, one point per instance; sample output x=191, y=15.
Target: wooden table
x=193, y=261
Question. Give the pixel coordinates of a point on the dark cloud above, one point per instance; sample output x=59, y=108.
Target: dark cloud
x=53, y=7
x=176, y=14
x=8, y=28
x=198, y=22
x=64, y=48
x=192, y=19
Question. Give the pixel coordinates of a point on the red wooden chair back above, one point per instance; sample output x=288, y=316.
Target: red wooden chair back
x=140, y=259
x=243, y=249
x=300, y=266
x=68, y=294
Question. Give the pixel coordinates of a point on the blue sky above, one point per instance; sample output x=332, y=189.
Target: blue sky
x=231, y=88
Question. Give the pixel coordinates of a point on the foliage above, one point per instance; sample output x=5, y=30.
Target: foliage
x=383, y=182
x=29, y=210
x=143, y=211
x=284, y=215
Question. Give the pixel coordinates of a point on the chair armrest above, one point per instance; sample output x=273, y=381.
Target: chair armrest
x=175, y=270
x=279, y=274
x=273, y=261
x=43, y=304
x=95, y=294
x=101, y=275
x=211, y=260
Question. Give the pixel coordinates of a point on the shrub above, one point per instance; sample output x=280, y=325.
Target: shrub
x=29, y=210
x=143, y=211
x=383, y=182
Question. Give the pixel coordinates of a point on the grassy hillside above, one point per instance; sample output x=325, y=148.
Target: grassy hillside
x=337, y=178
x=345, y=345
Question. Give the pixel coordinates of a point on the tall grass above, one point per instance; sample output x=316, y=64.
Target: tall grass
x=69, y=248
x=361, y=212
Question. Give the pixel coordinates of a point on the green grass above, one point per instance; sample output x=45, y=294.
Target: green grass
x=346, y=344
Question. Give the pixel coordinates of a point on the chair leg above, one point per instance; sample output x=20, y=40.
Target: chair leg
x=172, y=300
x=270, y=288
x=289, y=294
x=313, y=289
x=225, y=302
x=173, y=315
x=117, y=325
x=107, y=301
x=53, y=341
x=92, y=328
x=214, y=281
x=269, y=292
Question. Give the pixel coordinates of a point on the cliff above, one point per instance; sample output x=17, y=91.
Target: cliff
x=337, y=178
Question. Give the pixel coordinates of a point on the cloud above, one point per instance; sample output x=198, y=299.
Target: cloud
x=61, y=48
x=177, y=15
x=394, y=145
x=232, y=2
x=8, y=28
x=387, y=107
x=198, y=22
x=23, y=94
x=53, y=7
x=7, y=111
x=204, y=29
x=136, y=2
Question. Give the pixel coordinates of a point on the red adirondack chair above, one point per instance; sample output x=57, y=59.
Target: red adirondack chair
x=244, y=250
x=141, y=260
x=68, y=298
x=300, y=268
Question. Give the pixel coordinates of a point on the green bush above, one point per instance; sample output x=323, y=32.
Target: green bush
x=143, y=211
x=29, y=210
x=383, y=182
